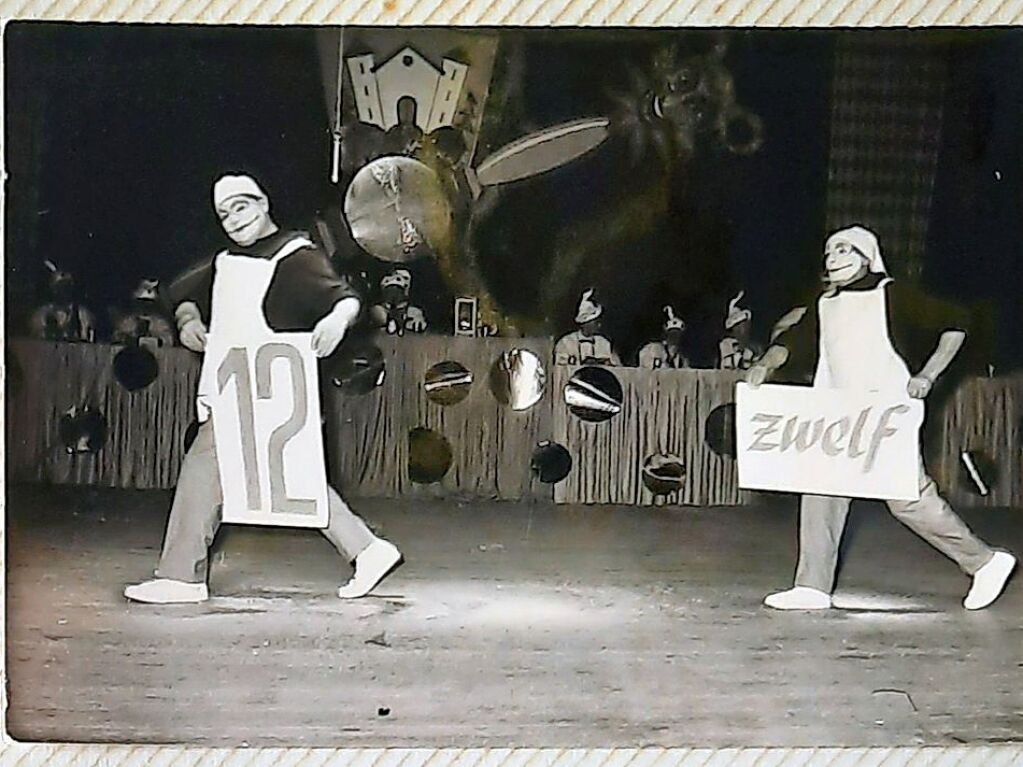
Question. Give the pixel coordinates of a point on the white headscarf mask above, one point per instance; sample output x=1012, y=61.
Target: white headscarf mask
x=230, y=186
x=865, y=241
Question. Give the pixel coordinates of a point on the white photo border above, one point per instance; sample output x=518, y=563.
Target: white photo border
x=530, y=13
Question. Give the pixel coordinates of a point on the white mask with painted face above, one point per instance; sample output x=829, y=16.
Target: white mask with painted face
x=245, y=219
x=844, y=263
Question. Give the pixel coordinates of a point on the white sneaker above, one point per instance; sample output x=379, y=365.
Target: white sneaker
x=799, y=598
x=375, y=563
x=989, y=581
x=164, y=591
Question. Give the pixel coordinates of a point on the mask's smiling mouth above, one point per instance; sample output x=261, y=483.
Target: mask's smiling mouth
x=242, y=227
x=842, y=272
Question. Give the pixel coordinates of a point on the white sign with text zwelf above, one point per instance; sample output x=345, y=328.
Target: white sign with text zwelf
x=838, y=442
x=266, y=423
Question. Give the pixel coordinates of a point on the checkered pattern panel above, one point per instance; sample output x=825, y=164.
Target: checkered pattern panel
x=885, y=135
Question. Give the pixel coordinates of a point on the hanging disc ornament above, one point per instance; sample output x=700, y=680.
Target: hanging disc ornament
x=594, y=394
x=719, y=430
x=429, y=456
x=82, y=429
x=663, y=473
x=447, y=383
x=135, y=368
x=518, y=379
x=397, y=209
x=551, y=462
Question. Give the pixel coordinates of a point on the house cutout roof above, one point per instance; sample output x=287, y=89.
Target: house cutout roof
x=409, y=57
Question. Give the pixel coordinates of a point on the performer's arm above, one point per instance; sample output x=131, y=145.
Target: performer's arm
x=761, y=370
x=193, y=286
x=949, y=344
x=793, y=344
x=306, y=290
x=331, y=329
x=191, y=328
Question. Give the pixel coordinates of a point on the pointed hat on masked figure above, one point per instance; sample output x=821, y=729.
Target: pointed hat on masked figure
x=673, y=322
x=735, y=313
x=589, y=309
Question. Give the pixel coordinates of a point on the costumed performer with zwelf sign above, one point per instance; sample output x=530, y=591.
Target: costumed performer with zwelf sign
x=849, y=332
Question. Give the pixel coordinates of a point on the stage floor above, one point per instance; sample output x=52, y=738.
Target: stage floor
x=510, y=625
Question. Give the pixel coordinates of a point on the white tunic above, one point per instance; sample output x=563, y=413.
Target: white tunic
x=260, y=387
x=236, y=310
x=856, y=350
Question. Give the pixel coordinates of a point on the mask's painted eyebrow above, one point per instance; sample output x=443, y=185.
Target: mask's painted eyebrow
x=842, y=244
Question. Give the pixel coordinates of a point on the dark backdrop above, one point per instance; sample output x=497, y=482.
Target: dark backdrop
x=975, y=238
x=115, y=133
x=134, y=124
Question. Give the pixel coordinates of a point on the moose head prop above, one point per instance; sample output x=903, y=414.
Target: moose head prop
x=408, y=108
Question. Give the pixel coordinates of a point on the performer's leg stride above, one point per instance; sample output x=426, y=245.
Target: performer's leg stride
x=821, y=523
x=931, y=517
x=373, y=558
x=193, y=523
x=195, y=518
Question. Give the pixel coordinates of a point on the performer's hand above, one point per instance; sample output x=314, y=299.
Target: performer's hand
x=193, y=335
x=416, y=324
x=756, y=375
x=331, y=330
x=919, y=387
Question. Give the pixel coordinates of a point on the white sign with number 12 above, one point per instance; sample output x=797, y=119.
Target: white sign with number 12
x=265, y=404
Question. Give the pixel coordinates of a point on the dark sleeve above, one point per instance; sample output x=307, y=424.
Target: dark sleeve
x=304, y=289
x=916, y=322
x=801, y=342
x=195, y=284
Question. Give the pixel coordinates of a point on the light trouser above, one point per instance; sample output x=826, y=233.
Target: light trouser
x=822, y=520
x=195, y=516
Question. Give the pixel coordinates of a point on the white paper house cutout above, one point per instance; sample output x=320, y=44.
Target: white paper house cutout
x=377, y=90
